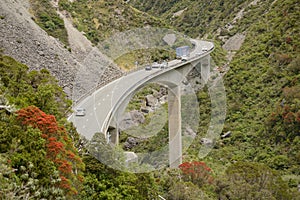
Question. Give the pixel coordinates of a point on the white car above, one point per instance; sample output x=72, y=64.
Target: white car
x=204, y=49
x=80, y=112
x=184, y=58
x=148, y=67
x=155, y=65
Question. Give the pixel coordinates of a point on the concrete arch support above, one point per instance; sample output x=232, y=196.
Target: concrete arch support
x=175, y=142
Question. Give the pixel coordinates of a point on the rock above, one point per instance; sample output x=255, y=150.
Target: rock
x=22, y=39
x=163, y=99
x=234, y=43
x=151, y=100
x=41, y=53
x=132, y=118
x=170, y=39
x=130, y=143
x=206, y=141
x=146, y=110
x=163, y=91
x=137, y=116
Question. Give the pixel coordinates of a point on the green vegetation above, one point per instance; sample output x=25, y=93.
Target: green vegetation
x=38, y=158
x=262, y=89
x=46, y=17
x=42, y=156
x=197, y=18
x=34, y=146
x=100, y=19
x=259, y=81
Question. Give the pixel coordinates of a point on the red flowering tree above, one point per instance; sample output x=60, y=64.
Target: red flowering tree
x=196, y=172
x=58, y=145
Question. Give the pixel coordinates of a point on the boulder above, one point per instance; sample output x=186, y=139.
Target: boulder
x=163, y=99
x=130, y=143
x=132, y=118
x=206, y=141
x=151, y=101
x=146, y=110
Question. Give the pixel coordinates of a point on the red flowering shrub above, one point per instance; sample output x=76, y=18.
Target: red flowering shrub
x=59, y=146
x=196, y=172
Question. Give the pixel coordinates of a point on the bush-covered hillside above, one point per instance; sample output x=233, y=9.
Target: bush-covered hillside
x=262, y=87
x=100, y=19
x=195, y=18
x=37, y=154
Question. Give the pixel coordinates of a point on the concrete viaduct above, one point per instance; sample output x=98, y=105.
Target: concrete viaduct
x=105, y=104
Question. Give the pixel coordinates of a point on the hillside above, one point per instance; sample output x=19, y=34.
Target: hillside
x=262, y=83
x=101, y=19
x=194, y=18
x=43, y=156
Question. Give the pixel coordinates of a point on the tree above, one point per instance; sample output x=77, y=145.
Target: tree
x=59, y=147
x=196, y=172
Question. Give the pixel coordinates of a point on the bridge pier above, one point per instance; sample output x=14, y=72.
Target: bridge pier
x=175, y=143
x=205, y=69
x=113, y=135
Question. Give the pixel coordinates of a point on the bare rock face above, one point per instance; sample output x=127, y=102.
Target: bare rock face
x=132, y=118
x=234, y=43
x=170, y=39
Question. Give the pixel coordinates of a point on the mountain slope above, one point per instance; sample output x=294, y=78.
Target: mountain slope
x=193, y=17
x=262, y=82
x=100, y=19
